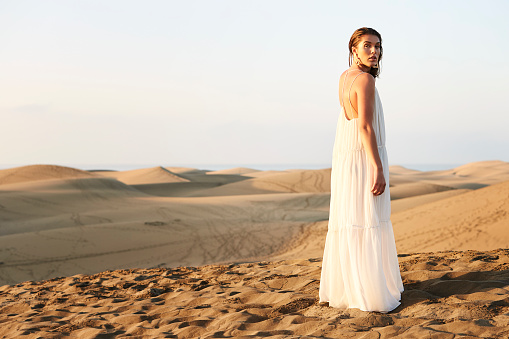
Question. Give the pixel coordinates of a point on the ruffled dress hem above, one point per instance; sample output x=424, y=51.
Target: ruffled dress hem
x=365, y=273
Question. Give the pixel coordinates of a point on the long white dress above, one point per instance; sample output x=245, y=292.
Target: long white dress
x=360, y=264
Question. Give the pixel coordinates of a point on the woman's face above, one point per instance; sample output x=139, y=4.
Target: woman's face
x=368, y=50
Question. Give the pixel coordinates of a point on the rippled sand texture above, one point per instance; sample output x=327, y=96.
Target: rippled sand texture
x=446, y=294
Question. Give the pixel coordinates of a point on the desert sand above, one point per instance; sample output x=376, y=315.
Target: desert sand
x=186, y=252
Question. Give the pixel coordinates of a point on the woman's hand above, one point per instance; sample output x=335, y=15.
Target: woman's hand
x=378, y=181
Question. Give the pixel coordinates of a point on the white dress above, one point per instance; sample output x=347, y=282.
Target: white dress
x=360, y=264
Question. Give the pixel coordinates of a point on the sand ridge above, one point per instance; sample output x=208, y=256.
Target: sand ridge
x=236, y=170
x=40, y=172
x=144, y=176
x=470, y=176
x=286, y=182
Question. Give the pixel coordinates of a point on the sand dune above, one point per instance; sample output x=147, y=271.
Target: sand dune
x=447, y=295
x=400, y=170
x=42, y=205
x=470, y=176
x=405, y=203
x=144, y=176
x=473, y=220
x=265, y=173
x=217, y=179
x=175, y=189
x=197, y=181
x=287, y=182
x=415, y=189
x=236, y=170
x=40, y=172
x=491, y=170
x=185, y=170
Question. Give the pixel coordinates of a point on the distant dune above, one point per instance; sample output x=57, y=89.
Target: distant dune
x=400, y=170
x=185, y=170
x=398, y=205
x=286, y=182
x=490, y=171
x=196, y=181
x=144, y=176
x=412, y=189
x=236, y=170
x=470, y=176
x=40, y=172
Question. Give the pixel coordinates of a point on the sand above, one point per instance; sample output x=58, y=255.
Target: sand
x=446, y=294
x=154, y=175
x=185, y=252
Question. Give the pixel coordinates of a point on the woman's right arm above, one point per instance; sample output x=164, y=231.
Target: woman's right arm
x=365, y=89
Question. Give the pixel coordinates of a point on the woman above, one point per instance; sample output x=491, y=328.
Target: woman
x=360, y=266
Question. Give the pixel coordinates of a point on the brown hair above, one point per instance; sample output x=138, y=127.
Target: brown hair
x=354, y=41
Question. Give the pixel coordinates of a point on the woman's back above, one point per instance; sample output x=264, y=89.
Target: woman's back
x=347, y=132
x=348, y=94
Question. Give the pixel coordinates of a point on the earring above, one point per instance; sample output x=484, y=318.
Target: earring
x=358, y=61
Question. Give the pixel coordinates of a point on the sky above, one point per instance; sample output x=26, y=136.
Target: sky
x=234, y=83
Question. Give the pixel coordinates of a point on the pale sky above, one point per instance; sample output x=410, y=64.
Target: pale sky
x=245, y=82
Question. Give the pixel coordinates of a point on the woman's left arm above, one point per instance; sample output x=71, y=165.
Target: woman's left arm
x=366, y=108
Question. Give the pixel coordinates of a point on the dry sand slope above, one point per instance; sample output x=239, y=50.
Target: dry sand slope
x=447, y=295
x=478, y=219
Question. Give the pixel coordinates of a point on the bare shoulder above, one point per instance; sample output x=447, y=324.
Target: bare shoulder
x=366, y=81
x=342, y=76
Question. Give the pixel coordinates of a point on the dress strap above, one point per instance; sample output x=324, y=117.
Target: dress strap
x=343, y=88
x=351, y=90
